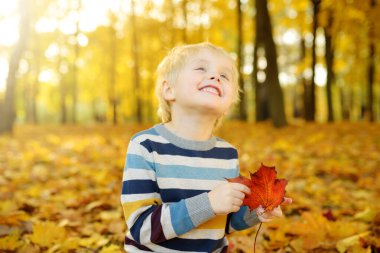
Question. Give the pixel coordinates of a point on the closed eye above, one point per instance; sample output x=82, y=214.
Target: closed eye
x=201, y=69
x=225, y=77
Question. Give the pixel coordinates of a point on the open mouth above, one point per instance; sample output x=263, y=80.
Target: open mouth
x=211, y=89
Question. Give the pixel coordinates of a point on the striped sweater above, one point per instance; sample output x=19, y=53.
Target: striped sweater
x=164, y=194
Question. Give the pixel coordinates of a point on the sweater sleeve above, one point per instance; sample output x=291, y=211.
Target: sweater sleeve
x=242, y=219
x=148, y=219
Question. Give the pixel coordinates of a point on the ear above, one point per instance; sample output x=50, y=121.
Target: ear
x=167, y=91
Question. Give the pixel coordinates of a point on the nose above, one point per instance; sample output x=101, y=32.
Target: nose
x=215, y=77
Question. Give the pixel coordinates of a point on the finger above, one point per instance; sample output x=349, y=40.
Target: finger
x=262, y=216
x=238, y=194
x=287, y=201
x=277, y=212
x=241, y=188
x=235, y=208
x=262, y=219
x=260, y=211
x=237, y=202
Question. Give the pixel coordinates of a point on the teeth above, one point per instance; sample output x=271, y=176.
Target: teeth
x=210, y=89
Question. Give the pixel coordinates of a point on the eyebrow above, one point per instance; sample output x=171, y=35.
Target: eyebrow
x=201, y=60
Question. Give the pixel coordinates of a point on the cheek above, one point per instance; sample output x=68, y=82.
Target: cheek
x=230, y=92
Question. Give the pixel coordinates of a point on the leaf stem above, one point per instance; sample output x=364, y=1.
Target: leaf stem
x=257, y=233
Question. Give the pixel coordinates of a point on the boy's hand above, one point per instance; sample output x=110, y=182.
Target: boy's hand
x=269, y=215
x=227, y=197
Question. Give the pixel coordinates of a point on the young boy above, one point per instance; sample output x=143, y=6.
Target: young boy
x=175, y=197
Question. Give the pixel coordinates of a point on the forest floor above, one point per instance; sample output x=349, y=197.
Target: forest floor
x=60, y=187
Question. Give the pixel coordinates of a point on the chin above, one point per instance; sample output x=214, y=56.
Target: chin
x=212, y=109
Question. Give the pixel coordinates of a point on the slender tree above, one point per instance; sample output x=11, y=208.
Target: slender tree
x=36, y=82
x=31, y=88
x=74, y=91
x=112, y=69
x=262, y=112
x=7, y=111
x=371, y=66
x=63, y=90
x=240, y=60
x=299, y=108
x=270, y=93
x=309, y=87
x=136, y=66
x=329, y=56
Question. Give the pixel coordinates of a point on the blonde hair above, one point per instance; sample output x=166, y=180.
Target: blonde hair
x=169, y=68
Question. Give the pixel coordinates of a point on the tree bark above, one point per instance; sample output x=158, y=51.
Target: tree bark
x=261, y=97
x=74, y=91
x=309, y=88
x=63, y=95
x=275, y=100
x=32, y=87
x=329, y=56
x=299, y=108
x=240, y=61
x=136, y=68
x=112, y=72
x=8, y=108
x=371, y=68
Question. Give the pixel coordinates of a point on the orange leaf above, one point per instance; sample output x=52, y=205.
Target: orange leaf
x=266, y=190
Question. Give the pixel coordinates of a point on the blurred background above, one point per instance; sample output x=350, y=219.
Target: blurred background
x=77, y=80
x=81, y=61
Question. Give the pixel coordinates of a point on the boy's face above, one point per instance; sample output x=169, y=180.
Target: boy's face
x=204, y=84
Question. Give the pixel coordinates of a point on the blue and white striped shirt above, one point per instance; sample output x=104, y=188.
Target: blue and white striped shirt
x=164, y=195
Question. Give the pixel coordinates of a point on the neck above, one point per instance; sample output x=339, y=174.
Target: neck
x=192, y=127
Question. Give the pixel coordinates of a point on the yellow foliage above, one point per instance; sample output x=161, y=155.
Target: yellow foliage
x=111, y=249
x=13, y=218
x=96, y=240
x=71, y=243
x=47, y=234
x=73, y=200
x=11, y=242
x=351, y=241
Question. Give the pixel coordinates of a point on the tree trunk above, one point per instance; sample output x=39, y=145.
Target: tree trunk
x=261, y=97
x=136, y=68
x=112, y=71
x=371, y=76
x=36, y=82
x=254, y=80
x=309, y=89
x=275, y=100
x=346, y=102
x=74, y=94
x=329, y=56
x=371, y=68
x=8, y=108
x=31, y=90
x=33, y=97
x=63, y=90
x=299, y=108
x=240, y=61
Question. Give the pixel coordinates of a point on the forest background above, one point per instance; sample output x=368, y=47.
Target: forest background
x=77, y=80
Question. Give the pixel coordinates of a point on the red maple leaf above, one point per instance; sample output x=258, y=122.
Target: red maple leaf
x=266, y=190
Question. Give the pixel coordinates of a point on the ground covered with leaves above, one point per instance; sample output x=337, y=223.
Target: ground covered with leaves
x=60, y=187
